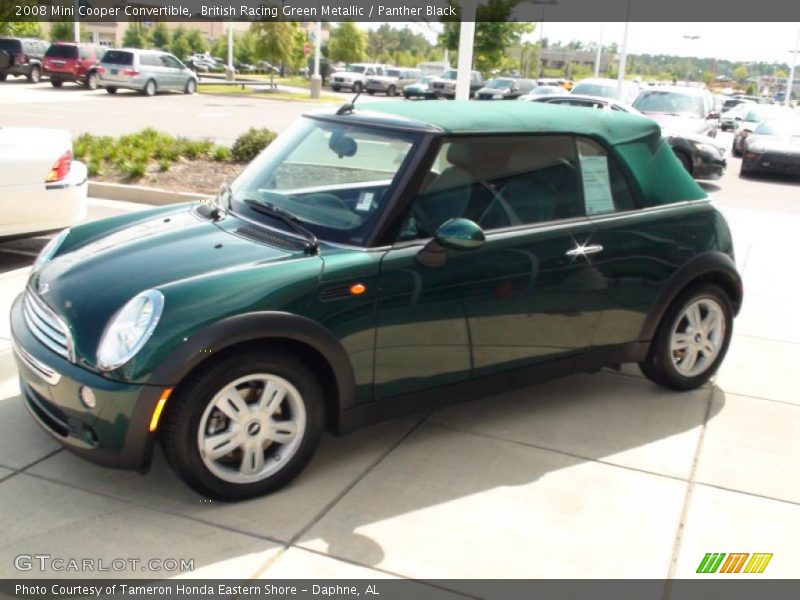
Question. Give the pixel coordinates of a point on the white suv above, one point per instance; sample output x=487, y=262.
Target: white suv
x=355, y=77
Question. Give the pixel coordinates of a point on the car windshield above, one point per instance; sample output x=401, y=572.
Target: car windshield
x=62, y=51
x=500, y=84
x=450, y=75
x=426, y=79
x=595, y=89
x=545, y=89
x=357, y=68
x=779, y=127
x=333, y=178
x=10, y=46
x=671, y=103
x=117, y=57
x=392, y=73
x=759, y=113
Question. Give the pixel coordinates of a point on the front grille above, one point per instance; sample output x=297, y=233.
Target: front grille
x=438, y=86
x=46, y=326
x=339, y=79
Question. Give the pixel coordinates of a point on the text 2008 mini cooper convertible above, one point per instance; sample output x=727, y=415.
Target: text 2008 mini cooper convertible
x=373, y=261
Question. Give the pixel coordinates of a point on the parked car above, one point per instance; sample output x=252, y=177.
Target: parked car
x=444, y=86
x=774, y=147
x=65, y=61
x=700, y=155
x=730, y=118
x=681, y=109
x=355, y=76
x=755, y=115
x=393, y=82
x=607, y=88
x=542, y=90
x=420, y=89
x=146, y=71
x=41, y=188
x=22, y=57
x=384, y=257
x=505, y=88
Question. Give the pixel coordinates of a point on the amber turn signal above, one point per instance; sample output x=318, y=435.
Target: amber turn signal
x=357, y=289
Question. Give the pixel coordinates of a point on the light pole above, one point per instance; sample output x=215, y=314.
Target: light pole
x=543, y=3
x=466, y=41
x=599, y=52
x=76, y=24
x=790, y=82
x=316, y=80
x=623, y=55
x=688, y=69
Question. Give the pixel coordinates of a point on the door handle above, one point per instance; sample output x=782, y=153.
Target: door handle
x=583, y=250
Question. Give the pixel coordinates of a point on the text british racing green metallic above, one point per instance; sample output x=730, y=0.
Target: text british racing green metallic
x=373, y=261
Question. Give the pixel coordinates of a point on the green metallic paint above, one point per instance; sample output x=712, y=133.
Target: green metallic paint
x=460, y=234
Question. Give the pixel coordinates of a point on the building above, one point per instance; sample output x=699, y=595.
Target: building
x=559, y=59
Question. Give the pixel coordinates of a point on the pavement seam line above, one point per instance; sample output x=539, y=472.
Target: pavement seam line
x=328, y=507
x=40, y=460
x=765, y=399
x=676, y=547
x=162, y=510
x=746, y=493
x=555, y=451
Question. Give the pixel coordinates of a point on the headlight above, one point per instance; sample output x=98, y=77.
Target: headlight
x=708, y=148
x=129, y=329
x=49, y=250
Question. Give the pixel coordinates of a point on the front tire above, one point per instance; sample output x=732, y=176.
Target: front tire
x=111, y=90
x=357, y=87
x=191, y=87
x=245, y=426
x=91, y=81
x=56, y=83
x=692, y=339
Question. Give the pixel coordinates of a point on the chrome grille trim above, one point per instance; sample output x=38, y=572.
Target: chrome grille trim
x=46, y=326
x=49, y=375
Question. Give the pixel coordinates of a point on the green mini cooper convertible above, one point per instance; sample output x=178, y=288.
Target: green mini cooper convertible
x=374, y=260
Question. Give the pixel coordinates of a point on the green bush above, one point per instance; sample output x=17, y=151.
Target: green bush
x=135, y=170
x=248, y=145
x=221, y=154
x=164, y=165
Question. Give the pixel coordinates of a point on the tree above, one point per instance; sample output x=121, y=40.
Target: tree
x=136, y=36
x=740, y=73
x=16, y=28
x=494, y=35
x=275, y=41
x=160, y=36
x=64, y=31
x=180, y=46
x=196, y=41
x=347, y=43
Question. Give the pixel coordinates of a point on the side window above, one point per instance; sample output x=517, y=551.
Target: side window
x=170, y=61
x=605, y=188
x=498, y=182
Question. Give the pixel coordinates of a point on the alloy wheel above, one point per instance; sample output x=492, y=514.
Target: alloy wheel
x=697, y=337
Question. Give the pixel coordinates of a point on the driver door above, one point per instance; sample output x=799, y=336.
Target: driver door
x=527, y=295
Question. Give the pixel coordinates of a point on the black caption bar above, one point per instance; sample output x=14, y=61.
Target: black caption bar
x=401, y=10
x=387, y=589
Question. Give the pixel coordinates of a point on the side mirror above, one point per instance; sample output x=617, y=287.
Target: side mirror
x=713, y=115
x=459, y=234
x=737, y=118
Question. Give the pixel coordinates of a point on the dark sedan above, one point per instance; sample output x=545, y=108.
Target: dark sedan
x=774, y=146
x=699, y=154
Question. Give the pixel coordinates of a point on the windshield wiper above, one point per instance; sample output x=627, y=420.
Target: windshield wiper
x=274, y=211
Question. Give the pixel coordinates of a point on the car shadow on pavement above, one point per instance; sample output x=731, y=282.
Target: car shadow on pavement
x=550, y=450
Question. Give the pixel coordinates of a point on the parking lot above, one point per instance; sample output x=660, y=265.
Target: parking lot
x=592, y=476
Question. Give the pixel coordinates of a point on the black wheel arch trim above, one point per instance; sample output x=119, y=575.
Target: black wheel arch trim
x=712, y=267
x=260, y=326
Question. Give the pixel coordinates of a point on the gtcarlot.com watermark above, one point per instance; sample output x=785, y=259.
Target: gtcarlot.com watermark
x=47, y=563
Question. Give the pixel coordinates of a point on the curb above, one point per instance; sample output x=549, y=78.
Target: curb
x=140, y=194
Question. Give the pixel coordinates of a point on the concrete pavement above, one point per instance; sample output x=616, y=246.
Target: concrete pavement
x=602, y=475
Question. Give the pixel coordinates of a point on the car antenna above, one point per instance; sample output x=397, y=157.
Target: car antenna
x=348, y=108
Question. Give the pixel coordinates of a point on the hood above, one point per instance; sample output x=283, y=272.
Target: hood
x=490, y=90
x=87, y=284
x=678, y=123
x=28, y=153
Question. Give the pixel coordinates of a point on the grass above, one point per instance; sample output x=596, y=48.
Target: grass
x=217, y=89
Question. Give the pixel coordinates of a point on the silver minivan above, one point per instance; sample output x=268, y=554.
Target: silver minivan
x=146, y=71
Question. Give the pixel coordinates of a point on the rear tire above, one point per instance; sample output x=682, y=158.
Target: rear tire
x=35, y=75
x=111, y=90
x=232, y=398
x=689, y=346
x=735, y=152
x=357, y=87
x=56, y=83
x=3, y=77
x=149, y=88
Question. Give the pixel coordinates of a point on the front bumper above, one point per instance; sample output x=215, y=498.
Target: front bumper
x=114, y=434
x=707, y=166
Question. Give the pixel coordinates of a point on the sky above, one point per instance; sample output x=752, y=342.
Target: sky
x=744, y=42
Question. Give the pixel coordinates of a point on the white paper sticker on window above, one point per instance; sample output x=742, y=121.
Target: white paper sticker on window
x=596, y=185
x=365, y=201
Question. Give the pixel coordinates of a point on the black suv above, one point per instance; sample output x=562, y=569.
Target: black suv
x=22, y=57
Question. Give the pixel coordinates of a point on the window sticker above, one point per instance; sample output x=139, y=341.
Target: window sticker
x=365, y=201
x=596, y=185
